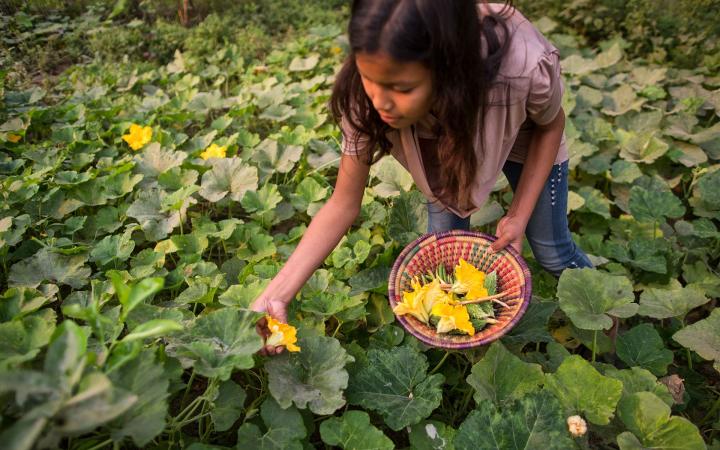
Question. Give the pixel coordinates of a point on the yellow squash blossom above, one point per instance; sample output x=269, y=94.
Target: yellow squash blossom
x=452, y=317
x=214, y=151
x=138, y=136
x=14, y=138
x=420, y=301
x=469, y=281
x=282, y=334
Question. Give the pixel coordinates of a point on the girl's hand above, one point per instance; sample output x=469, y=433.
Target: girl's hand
x=510, y=230
x=276, y=308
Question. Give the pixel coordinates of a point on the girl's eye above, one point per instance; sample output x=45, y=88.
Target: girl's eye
x=403, y=90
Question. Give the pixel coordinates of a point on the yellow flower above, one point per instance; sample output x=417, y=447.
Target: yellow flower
x=214, y=151
x=14, y=138
x=469, y=281
x=282, y=334
x=452, y=316
x=335, y=50
x=420, y=301
x=138, y=136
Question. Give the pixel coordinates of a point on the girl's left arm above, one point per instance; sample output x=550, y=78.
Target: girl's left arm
x=542, y=151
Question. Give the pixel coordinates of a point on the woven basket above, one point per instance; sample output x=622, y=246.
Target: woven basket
x=433, y=249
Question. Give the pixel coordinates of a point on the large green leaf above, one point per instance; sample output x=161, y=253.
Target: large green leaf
x=228, y=406
x=654, y=206
x=703, y=337
x=408, y=217
x=48, y=266
x=533, y=326
x=589, y=297
x=637, y=379
x=583, y=390
x=148, y=211
x=221, y=341
x=395, y=383
x=285, y=429
x=229, y=177
x=666, y=303
x=501, y=376
x=353, y=431
x=23, y=338
x=312, y=378
x=145, y=377
x=534, y=422
x=642, y=346
x=18, y=302
x=650, y=425
x=394, y=178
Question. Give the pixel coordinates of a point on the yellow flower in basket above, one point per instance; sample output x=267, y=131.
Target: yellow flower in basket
x=452, y=316
x=469, y=281
x=420, y=301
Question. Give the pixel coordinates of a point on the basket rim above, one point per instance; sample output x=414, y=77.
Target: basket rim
x=525, y=298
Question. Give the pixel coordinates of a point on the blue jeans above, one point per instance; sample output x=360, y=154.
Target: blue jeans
x=547, y=231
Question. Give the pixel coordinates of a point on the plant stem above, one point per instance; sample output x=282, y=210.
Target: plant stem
x=485, y=299
x=594, y=345
x=101, y=445
x=187, y=389
x=442, y=360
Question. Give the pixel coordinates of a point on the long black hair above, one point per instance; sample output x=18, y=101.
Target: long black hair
x=448, y=37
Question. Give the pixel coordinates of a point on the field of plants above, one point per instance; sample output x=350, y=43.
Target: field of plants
x=155, y=177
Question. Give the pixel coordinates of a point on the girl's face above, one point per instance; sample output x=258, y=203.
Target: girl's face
x=401, y=92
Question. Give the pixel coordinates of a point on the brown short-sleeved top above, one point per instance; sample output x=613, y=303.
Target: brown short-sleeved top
x=528, y=90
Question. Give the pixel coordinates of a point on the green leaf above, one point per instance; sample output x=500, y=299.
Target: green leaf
x=221, y=341
x=533, y=326
x=312, y=378
x=637, y=379
x=589, y=297
x=326, y=304
x=263, y=200
x=395, y=383
x=641, y=147
x=23, y=338
x=285, y=429
x=595, y=201
x=648, y=419
x=666, y=303
x=95, y=403
x=394, y=178
x=153, y=328
x=131, y=296
x=501, y=376
x=147, y=209
x=272, y=157
x=115, y=247
x=155, y=160
x=228, y=406
x=66, y=353
x=48, y=266
x=642, y=346
x=408, y=217
x=534, y=422
x=145, y=377
x=369, y=280
x=654, y=206
x=353, y=431
x=308, y=191
x=622, y=100
x=582, y=390
x=229, y=177
x=703, y=337
x=19, y=302
x=299, y=64
x=242, y=296
x=432, y=435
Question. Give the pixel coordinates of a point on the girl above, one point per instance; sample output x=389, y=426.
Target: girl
x=457, y=91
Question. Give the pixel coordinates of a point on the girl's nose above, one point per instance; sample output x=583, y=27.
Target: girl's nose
x=381, y=101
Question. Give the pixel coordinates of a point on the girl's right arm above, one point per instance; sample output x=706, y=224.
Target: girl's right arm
x=324, y=232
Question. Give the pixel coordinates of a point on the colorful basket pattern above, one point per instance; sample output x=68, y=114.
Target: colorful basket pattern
x=430, y=250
